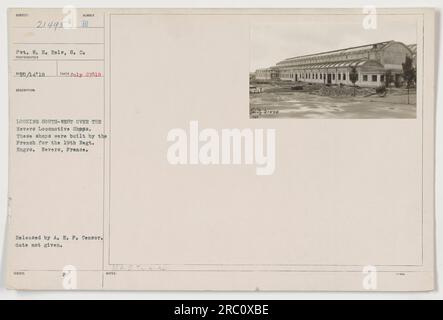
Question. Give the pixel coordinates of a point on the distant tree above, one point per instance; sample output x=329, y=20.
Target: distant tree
x=353, y=76
x=388, y=79
x=409, y=73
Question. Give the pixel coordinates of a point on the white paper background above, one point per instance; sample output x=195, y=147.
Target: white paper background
x=6, y=294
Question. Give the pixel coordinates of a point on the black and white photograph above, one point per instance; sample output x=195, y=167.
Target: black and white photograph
x=334, y=70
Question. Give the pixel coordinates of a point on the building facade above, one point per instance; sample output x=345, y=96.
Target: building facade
x=271, y=73
x=371, y=62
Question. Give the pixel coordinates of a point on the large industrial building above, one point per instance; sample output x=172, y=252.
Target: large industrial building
x=371, y=62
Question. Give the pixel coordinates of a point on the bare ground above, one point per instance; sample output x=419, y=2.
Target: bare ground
x=279, y=101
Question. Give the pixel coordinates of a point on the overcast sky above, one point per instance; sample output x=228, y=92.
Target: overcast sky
x=273, y=42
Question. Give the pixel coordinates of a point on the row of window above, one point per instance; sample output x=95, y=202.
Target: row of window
x=374, y=78
x=328, y=58
x=340, y=77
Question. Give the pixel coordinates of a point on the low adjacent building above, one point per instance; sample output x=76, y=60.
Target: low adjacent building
x=271, y=73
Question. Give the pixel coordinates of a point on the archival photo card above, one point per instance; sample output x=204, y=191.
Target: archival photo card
x=221, y=149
